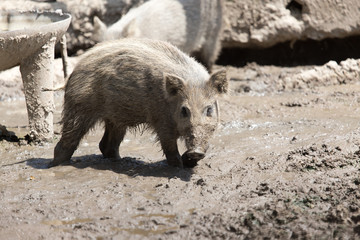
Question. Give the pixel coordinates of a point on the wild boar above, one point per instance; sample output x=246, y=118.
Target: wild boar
x=195, y=27
x=129, y=82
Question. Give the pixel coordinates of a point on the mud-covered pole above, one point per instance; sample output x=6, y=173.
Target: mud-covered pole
x=37, y=73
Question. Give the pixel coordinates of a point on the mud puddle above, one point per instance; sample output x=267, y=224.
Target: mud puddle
x=281, y=165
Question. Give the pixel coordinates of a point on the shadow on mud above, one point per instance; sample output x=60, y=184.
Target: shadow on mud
x=129, y=166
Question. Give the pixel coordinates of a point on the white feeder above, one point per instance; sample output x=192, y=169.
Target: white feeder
x=28, y=39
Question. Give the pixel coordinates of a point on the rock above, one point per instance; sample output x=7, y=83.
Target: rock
x=247, y=23
x=329, y=74
x=7, y=135
x=264, y=24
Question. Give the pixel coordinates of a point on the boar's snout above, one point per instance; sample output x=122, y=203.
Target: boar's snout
x=195, y=154
x=192, y=156
x=197, y=143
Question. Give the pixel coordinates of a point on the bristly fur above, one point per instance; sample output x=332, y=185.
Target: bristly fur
x=141, y=128
x=125, y=84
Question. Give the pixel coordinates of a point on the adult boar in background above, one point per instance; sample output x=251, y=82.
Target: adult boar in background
x=129, y=82
x=195, y=27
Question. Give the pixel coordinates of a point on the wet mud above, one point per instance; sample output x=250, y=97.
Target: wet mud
x=284, y=163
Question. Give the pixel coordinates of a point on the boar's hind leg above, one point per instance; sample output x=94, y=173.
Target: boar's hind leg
x=169, y=147
x=110, y=142
x=210, y=52
x=73, y=131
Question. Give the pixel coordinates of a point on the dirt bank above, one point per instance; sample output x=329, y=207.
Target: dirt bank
x=285, y=163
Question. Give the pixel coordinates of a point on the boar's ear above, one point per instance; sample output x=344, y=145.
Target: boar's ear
x=98, y=24
x=173, y=84
x=99, y=29
x=218, y=81
x=131, y=30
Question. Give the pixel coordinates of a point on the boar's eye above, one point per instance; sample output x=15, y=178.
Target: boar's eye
x=185, y=112
x=209, y=111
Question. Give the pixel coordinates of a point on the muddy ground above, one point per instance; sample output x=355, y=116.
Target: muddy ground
x=284, y=163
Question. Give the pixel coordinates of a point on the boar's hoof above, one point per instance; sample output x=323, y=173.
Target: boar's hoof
x=59, y=160
x=61, y=155
x=54, y=164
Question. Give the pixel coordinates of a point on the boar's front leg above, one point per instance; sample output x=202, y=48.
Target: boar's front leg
x=110, y=142
x=170, y=149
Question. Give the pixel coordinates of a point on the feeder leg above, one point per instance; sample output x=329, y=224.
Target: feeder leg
x=37, y=73
x=64, y=56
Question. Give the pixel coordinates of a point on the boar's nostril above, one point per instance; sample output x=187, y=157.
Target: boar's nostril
x=195, y=154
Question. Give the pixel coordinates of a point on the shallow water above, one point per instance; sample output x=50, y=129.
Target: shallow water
x=256, y=159
x=19, y=22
